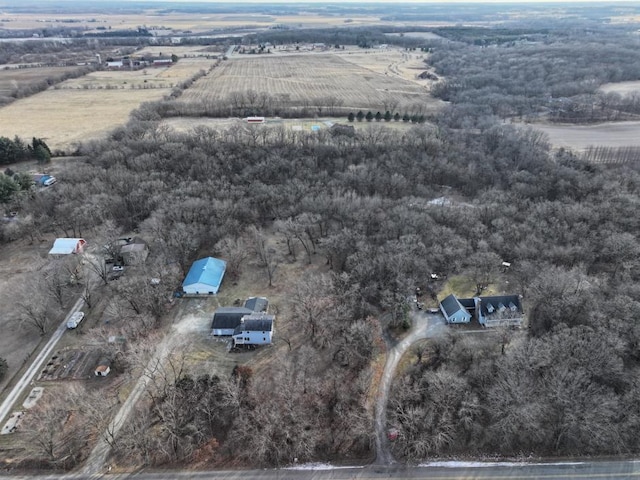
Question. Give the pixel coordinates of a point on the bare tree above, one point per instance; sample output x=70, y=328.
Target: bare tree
x=266, y=255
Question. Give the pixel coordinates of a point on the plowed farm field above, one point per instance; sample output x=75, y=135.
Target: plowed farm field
x=300, y=80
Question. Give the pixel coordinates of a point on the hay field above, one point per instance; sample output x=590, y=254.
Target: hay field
x=65, y=117
x=90, y=106
x=13, y=78
x=579, y=137
x=301, y=79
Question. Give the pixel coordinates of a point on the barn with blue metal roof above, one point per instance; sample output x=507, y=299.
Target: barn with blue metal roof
x=204, y=277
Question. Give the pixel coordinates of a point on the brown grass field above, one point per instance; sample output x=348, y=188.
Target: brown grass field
x=11, y=79
x=301, y=79
x=88, y=107
x=195, y=22
x=579, y=137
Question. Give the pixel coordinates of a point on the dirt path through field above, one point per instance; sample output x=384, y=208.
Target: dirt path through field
x=425, y=325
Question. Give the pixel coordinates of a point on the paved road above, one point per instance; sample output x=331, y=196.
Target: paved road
x=551, y=471
x=424, y=325
x=25, y=382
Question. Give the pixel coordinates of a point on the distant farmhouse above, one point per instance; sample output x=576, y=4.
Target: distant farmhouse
x=136, y=63
x=503, y=310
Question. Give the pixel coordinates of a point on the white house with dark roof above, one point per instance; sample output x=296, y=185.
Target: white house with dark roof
x=454, y=311
x=494, y=311
x=254, y=329
x=226, y=319
x=502, y=310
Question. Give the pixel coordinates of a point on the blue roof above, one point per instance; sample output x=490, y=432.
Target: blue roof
x=208, y=271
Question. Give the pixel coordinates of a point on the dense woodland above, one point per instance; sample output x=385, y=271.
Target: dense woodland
x=549, y=73
x=567, y=385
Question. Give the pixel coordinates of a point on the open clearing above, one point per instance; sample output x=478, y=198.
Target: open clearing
x=580, y=137
x=391, y=61
x=187, y=124
x=623, y=88
x=302, y=79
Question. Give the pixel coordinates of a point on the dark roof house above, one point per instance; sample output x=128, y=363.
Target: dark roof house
x=501, y=310
x=454, y=311
x=226, y=319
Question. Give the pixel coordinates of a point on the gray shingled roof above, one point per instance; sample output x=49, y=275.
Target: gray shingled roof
x=257, y=304
x=229, y=317
x=255, y=323
x=506, y=300
x=451, y=305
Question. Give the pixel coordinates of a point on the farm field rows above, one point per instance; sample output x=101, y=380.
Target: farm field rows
x=300, y=80
x=579, y=137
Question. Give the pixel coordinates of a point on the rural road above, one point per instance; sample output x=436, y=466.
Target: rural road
x=424, y=325
x=441, y=471
x=36, y=366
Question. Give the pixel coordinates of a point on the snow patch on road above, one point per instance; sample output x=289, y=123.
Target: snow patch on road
x=317, y=466
x=455, y=464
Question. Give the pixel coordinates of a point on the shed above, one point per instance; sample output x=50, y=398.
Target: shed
x=454, y=311
x=257, y=304
x=67, y=246
x=204, y=277
x=103, y=368
x=226, y=319
x=134, y=253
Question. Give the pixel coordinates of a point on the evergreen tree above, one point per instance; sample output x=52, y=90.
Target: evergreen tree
x=369, y=116
x=351, y=117
x=387, y=116
x=396, y=117
x=360, y=116
x=378, y=116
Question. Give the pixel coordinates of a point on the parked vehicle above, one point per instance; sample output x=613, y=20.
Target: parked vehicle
x=118, y=268
x=75, y=320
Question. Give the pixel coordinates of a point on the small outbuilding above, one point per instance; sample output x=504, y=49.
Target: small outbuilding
x=134, y=253
x=204, y=277
x=257, y=304
x=67, y=246
x=103, y=368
